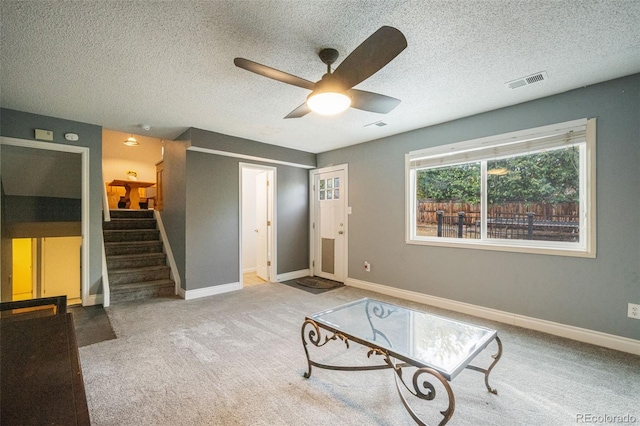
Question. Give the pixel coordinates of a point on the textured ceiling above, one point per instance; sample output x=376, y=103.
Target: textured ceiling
x=170, y=64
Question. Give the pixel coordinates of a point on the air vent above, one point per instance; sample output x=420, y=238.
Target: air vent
x=525, y=81
x=377, y=123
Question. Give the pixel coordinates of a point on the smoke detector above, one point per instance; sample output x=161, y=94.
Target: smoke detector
x=530, y=79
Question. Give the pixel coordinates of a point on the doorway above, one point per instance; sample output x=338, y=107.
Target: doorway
x=257, y=225
x=54, y=237
x=47, y=267
x=329, y=212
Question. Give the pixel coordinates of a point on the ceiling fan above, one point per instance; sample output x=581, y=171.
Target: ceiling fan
x=334, y=93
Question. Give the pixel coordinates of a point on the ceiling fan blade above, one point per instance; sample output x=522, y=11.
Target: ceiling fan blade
x=372, y=102
x=301, y=111
x=273, y=73
x=368, y=58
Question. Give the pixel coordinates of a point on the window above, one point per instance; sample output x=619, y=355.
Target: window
x=530, y=191
x=329, y=189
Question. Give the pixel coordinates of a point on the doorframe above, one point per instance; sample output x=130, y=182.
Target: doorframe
x=85, y=205
x=272, y=211
x=312, y=215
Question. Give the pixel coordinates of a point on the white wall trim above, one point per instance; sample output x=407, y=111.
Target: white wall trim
x=93, y=299
x=106, y=213
x=249, y=157
x=247, y=270
x=166, y=247
x=106, y=289
x=293, y=275
x=611, y=341
x=86, y=205
x=209, y=291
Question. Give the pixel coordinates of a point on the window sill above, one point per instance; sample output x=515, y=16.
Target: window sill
x=560, y=250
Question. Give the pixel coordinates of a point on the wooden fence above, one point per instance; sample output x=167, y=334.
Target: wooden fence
x=427, y=210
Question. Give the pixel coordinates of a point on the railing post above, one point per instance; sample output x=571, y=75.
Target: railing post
x=440, y=214
x=461, y=216
x=530, y=216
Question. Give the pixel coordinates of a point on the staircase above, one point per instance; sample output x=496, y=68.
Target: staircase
x=136, y=264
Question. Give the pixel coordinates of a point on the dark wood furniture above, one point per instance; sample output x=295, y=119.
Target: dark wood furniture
x=40, y=373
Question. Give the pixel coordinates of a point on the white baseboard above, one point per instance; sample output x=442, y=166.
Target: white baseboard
x=245, y=271
x=293, y=275
x=208, y=291
x=93, y=299
x=611, y=341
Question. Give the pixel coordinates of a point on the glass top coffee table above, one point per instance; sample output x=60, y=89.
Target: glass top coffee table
x=434, y=345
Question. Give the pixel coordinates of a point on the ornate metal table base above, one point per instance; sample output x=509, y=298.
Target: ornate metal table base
x=420, y=386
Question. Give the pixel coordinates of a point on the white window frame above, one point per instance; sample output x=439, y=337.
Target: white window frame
x=521, y=142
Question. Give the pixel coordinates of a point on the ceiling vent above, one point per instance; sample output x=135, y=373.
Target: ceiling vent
x=377, y=123
x=525, y=81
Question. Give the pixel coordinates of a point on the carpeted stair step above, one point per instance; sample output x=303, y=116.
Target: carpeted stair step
x=112, y=236
x=142, y=290
x=132, y=247
x=131, y=214
x=128, y=261
x=133, y=275
x=116, y=224
x=136, y=263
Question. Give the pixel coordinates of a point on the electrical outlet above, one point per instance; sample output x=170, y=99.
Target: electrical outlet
x=367, y=266
x=634, y=311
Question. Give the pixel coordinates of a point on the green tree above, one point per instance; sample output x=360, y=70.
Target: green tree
x=459, y=183
x=547, y=177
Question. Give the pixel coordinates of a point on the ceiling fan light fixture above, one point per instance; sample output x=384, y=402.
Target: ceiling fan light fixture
x=328, y=103
x=131, y=141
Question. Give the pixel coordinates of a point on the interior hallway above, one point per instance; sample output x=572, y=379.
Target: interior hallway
x=251, y=278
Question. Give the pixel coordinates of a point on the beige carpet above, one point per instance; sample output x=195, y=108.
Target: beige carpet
x=237, y=359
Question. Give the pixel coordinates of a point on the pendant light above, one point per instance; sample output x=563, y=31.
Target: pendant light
x=131, y=141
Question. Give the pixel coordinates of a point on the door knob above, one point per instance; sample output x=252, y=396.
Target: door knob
x=340, y=232
x=256, y=230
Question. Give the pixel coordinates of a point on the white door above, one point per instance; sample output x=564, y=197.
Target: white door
x=329, y=225
x=262, y=228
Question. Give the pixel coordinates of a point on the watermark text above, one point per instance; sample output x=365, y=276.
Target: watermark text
x=605, y=418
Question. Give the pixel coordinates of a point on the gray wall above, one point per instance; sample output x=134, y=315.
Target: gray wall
x=40, y=209
x=212, y=220
x=21, y=125
x=175, y=199
x=217, y=141
x=588, y=293
x=293, y=219
x=206, y=248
